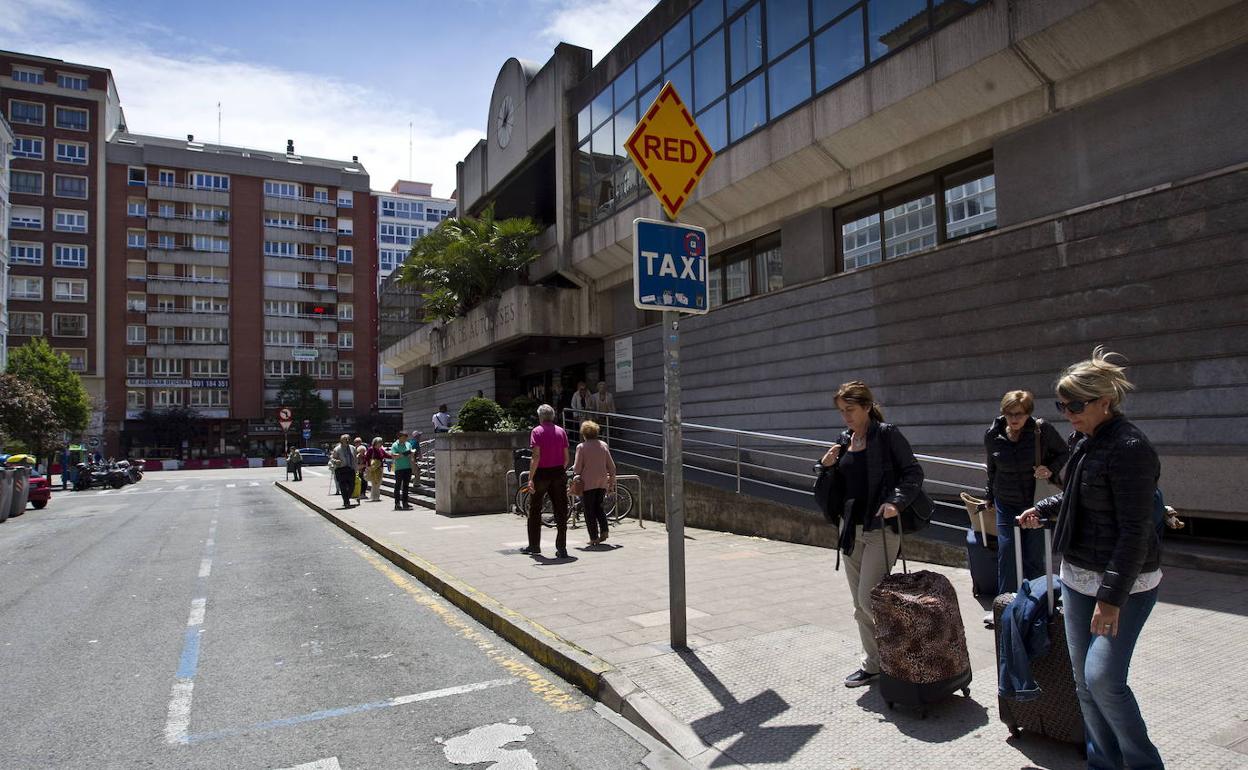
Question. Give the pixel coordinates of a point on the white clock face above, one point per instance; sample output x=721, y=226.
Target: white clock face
x=506, y=120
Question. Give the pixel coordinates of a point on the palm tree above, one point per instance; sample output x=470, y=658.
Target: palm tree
x=466, y=260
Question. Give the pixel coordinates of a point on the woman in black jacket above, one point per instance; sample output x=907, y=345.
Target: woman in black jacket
x=1012, y=444
x=1111, y=557
x=875, y=478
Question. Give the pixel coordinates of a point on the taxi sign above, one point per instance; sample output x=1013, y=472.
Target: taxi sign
x=669, y=266
x=669, y=150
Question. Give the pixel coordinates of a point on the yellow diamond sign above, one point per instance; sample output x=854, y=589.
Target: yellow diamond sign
x=669, y=150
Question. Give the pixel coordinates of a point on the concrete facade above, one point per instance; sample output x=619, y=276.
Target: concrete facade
x=6, y=148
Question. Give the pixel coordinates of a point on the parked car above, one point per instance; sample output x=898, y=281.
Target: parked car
x=40, y=492
x=313, y=456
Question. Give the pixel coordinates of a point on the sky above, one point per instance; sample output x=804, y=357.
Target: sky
x=340, y=78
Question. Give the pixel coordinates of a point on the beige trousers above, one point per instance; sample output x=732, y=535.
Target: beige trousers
x=864, y=568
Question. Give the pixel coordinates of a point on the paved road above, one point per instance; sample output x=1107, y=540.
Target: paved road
x=206, y=620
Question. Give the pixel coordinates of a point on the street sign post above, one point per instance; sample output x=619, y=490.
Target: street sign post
x=283, y=420
x=670, y=275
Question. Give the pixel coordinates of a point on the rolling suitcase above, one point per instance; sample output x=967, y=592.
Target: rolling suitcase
x=1056, y=713
x=981, y=558
x=918, y=628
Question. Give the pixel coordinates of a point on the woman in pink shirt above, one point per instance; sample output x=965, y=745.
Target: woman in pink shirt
x=597, y=471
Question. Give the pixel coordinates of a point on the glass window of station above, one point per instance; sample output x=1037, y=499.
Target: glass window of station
x=739, y=65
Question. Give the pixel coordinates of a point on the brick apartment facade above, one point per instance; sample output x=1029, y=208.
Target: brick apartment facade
x=61, y=114
x=230, y=269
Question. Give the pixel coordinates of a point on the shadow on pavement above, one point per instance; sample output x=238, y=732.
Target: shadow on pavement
x=757, y=744
x=952, y=718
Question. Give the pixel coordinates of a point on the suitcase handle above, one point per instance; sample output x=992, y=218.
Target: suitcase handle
x=905, y=569
x=1048, y=562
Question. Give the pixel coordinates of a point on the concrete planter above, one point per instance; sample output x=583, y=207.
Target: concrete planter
x=472, y=471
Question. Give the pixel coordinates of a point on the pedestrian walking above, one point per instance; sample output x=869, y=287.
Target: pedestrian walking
x=441, y=420
x=1111, y=556
x=294, y=464
x=596, y=470
x=401, y=451
x=374, y=460
x=549, y=443
x=64, y=467
x=580, y=402
x=1022, y=453
x=343, y=461
x=602, y=400
x=360, y=450
x=875, y=478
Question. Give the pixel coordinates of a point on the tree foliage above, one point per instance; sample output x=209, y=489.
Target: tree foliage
x=48, y=371
x=480, y=414
x=27, y=417
x=299, y=393
x=465, y=260
x=523, y=412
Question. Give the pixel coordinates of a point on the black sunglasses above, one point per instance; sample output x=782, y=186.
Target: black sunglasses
x=1074, y=407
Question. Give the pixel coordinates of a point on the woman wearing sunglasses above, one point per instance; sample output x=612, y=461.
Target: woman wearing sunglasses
x=1111, y=556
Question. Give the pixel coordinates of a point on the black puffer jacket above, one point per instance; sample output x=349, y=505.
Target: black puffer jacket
x=1011, y=464
x=893, y=476
x=1105, y=513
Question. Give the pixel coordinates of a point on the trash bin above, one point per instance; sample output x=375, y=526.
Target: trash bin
x=6, y=491
x=21, y=490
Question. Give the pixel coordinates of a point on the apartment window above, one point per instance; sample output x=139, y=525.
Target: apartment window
x=25, y=113
x=320, y=252
x=166, y=241
x=346, y=370
x=210, y=367
x=26, y=218
x=69, y=325
x=136, y=366
x=167, y=397
x=28, y=147
x=77, y=358
x=136, y=207
x=970, y=202
x=166, y=178
x=211, y=214
x=166, y=211
x=282, y=337
x=165, y=303
x=281, y=278
x=167, y=367
x=136, y=399
x=210, y=243
x=346, y=255
x=210, y=397
x=25, y=253
x=69, y=290
x=25, y=287
x=65, y=221
x=320, y=223
x=281, y=307
x=202, y=181
x=25, y=324
x=346, y=284
x=136, y=335
x=754, y=268
x=71, y=152
x=320, y=195
x=72, y=118
x=274, y=369
x=346, y=340
x=321, y=370
x=280, y=249
x=69, y=255
x=346, y=399
x=166, y=335
x=26, y=182
x=282, y=189
x=345, y=226
x=320, y=339
x=136, y=239
x=209, y=274
x=208, y=305
x=276, y=219
x=136, y=269
x=210, y=336
x=23, y=75
x=69, y=186
x=345, y=199
x=73, y=82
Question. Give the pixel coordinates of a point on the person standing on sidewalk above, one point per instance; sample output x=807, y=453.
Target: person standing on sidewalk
x=294, y=463
x=401, y=451
x=580, y=402
x=374, y=460
x=343, y=459
x=360, y=466
x=1011, y=445
x=597, y=471
x=877, y=477
x=549, y=443
x=1111, y=556
x=442, y=420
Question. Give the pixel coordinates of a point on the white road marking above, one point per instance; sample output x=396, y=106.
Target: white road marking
x=453, y=526
x=178, y=723
x=230, y=486
x=205, y=567
x=197, y=612
x=180, y=488
x=253, y=484
x=329, y=763
x=485, y=744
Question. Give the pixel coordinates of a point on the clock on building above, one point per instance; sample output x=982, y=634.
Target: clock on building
x=506, y=120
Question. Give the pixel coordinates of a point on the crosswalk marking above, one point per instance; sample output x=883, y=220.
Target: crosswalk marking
x=230, y=486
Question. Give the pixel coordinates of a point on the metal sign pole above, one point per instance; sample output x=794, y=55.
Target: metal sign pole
x=673, y=478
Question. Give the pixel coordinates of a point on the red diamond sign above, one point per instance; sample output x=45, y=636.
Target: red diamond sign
x=669, y=150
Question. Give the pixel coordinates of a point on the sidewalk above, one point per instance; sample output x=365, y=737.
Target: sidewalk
x=772, y=635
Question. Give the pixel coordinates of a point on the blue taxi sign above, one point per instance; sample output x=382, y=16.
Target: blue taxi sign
x=669, y=266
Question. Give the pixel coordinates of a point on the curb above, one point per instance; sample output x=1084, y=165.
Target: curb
x=591, y=674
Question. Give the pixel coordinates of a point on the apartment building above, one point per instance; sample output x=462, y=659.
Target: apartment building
x=61, y=114
x=230, y=270
x=6, y=150
x=404, y=214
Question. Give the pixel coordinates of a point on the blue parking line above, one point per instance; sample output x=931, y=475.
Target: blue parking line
x=190, y=654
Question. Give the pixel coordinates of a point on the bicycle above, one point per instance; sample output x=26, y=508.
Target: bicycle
x=617, y=505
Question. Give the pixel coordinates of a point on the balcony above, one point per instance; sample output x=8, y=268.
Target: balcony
x=317, y=236
x=286, y=353
x=320, y=295
x=184, y=194
x=188, y=318
x=183, y=255
x=301, y=263
x=293, y=205
x=184, y=349
x=187, y=287
x=189, y=225
x=301, y=323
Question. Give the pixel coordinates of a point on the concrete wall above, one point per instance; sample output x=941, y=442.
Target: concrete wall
x=419, y=405
x=472, y=471
x=941, y=335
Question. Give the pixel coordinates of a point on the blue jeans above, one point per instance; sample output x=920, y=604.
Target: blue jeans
x=1117, y=736
x=1033, y=550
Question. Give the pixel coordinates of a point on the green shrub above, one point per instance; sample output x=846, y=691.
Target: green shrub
x=522, y=412
x=479, y=414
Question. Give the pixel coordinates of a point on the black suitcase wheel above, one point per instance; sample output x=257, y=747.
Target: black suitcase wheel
x=1014, y=731
x=966, y=692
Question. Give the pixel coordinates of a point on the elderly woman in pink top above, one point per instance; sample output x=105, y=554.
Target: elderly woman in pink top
x=597, y=471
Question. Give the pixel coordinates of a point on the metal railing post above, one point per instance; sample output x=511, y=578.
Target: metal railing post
x=738, y=437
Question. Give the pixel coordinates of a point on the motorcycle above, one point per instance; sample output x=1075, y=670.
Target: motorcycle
x=132, y=471
x=100, y=475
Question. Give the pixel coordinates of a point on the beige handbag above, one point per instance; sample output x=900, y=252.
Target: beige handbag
x=976, y=508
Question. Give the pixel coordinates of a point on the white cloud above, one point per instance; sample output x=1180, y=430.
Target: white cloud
x=262, y=106
x=594, y=24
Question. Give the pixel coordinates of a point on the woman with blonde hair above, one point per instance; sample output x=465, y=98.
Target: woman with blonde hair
x=1111, y=556
x=597, y=471
x=374, y=461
